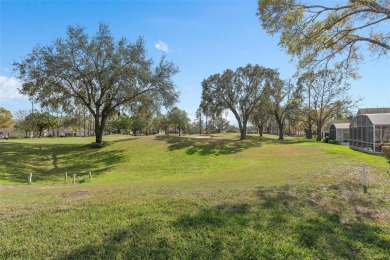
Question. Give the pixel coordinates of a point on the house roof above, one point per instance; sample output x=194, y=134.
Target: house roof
x=381, y=110
x=341, y=125
x=327, y=125
x=379, y=119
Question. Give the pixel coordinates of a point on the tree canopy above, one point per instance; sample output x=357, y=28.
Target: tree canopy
x=285, y=100
x=6, y=119
x=326, y=96
x=320, y=34
x=238, y=91
x=179, y=119
x=98, y=72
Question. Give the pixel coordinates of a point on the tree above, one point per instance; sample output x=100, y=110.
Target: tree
x=24, y=121
x=239, y=91
x=162, y=122
x=328, y=96
x=285, y=99
x=142, y=117
x=96, y=71
x=6, y=119
x=121, y=122
x=44, y=121
x=317, y=34
x=307, y=82
x=209, y=108
x=199, y=119
x=179, y=119
x=260, y=115
x=221, y=123
x=71, y=121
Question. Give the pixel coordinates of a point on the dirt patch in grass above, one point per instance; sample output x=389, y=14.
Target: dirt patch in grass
x=77, y=193
x=28, y=187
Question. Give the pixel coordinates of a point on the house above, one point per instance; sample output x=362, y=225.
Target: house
x=325, y=131
x=368, y=132
x=11, y=132
x=339, y=132
x=382, y=110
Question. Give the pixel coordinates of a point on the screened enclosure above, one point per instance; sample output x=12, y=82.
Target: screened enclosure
x=368, y=132
x=339, y=132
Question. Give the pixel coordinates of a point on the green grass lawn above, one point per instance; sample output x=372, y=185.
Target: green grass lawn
x=189, y=197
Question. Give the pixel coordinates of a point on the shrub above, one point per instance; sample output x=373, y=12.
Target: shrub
x=334, y=141
x=97, y=145
x=328, y=140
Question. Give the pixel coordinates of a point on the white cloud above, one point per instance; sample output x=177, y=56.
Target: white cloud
x=162, y=46
x=9, y=88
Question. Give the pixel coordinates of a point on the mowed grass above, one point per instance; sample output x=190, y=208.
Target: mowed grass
x=189, y=197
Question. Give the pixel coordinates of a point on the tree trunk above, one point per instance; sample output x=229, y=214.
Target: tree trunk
x=319, y=127
x=99, y=135
x=243, y=130
x=280, y=131
x=58, y=126
x=280, y=127
x=309, y=132
x=98, y=130
x=260, y=129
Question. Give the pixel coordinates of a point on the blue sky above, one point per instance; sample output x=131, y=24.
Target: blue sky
x=201, y=37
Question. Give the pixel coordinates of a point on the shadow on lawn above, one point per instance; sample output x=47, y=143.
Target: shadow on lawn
x=138, y=241
x=149, y=239
x=217, y=146
x=280, y=224
x=330, y=226
x=209, y=146
x=49, y=162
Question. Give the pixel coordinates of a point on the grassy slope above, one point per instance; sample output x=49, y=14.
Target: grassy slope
x=183, y=198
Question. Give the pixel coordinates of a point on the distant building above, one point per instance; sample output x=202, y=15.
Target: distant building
x=339, y=132
x=55, y=132
x=11, y=132
x=370, y=129
x=325, y=131
x=364, y=111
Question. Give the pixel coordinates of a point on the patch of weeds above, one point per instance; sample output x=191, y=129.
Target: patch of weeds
x=98, y=145
x=85, y=180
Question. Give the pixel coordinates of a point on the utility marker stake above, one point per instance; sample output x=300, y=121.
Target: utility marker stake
x=364, y=178
x=30, y=179
x=90, y=175
x=74, y=178
x=66, y=175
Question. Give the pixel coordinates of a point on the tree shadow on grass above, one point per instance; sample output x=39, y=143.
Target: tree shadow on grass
x=218, y=146
x=49, y=162
x=122, y=139
x=334, y=227
x=209, y=146
x=139, y=240
x=143, y=239
x=279, y=224
x=274, y=140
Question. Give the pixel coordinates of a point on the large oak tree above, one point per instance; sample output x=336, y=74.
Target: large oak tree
x=238, y=91
x=96, y=71
x=328, y=33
